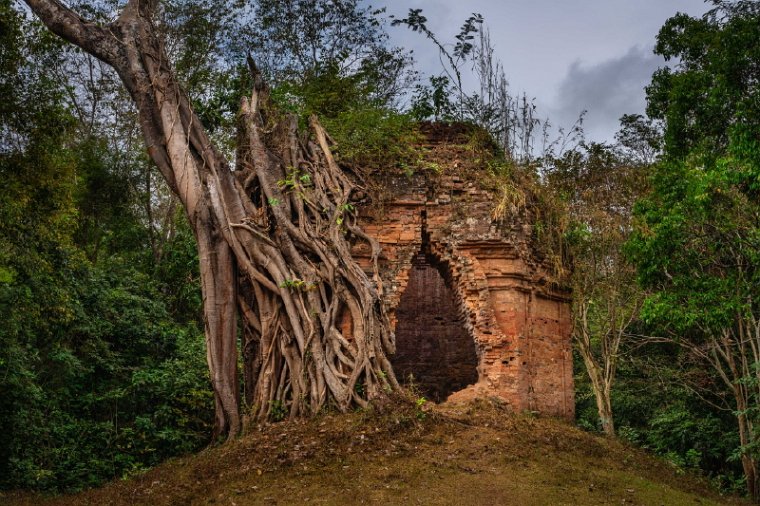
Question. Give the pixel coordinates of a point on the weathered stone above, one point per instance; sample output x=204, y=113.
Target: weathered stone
x=498, y=294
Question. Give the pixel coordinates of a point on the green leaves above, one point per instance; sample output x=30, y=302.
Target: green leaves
x=434, y=101
x=103, y=371
x=373, y=138
x=697, y=239
x=696, y=245
x=711, y=94
x=327, y=57
x=463, y=48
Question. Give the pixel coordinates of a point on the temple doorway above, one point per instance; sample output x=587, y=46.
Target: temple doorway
x=434, y=350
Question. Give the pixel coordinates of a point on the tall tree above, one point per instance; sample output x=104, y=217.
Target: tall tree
x=273, y=236
x=697, y=246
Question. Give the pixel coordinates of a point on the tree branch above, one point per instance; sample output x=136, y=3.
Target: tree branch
x=70, y=26
x=140, y=8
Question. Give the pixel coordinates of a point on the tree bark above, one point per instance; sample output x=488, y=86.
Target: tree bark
x=274, y=237
x=602, y=389
x=749, y=464
x=600, y=371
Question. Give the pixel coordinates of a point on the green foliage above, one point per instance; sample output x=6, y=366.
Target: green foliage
x=697, y=240
x=177, y=275
x=653, y=409
x=433, y=101
x=107, y=221
x=326, y=57
x=277, y=410
x=711, y=95
x=325, y=91
x=217, y=102
x=295, y=284
x=373, y=138
x=293, y=180
x=98, y=378
x=419, y=405
x=698, y=245
x=343, y=208
x=697, y=248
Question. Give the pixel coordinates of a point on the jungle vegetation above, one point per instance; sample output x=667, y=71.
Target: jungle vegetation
x=138, y=297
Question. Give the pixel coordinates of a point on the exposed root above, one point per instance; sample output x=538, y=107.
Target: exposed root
x=315, y=329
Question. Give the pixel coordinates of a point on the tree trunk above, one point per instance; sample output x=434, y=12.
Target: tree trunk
x=601, y=389
x=600, y=371
x=603, y=404
x=749, y=464
x=219, y=287
x=274, y=237
x=604, y=407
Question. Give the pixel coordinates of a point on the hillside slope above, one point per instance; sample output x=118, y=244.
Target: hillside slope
x=447, y=455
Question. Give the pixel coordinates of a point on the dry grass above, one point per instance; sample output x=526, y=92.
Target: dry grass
x=475, y=454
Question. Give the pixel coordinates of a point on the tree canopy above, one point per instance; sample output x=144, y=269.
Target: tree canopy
x=697, y=245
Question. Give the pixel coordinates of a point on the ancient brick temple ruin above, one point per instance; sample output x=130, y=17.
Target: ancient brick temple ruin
x=475, y=314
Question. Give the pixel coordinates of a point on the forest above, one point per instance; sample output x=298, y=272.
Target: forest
x=177, y=191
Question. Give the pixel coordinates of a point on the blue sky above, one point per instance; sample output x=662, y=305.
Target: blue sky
x=571, y=55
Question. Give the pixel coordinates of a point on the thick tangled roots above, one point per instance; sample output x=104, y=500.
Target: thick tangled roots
x=315, y=329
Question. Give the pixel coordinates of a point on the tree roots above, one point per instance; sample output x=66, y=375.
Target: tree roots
x=315, y=330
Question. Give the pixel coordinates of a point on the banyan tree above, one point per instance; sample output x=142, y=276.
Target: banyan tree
x=274, y=234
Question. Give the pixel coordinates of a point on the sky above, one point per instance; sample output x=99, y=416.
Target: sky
x=570, y=55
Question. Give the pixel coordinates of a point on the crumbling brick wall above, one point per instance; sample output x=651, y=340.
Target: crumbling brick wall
x=520, y=323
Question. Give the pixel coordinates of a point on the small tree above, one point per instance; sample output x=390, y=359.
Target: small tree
x=599, y=187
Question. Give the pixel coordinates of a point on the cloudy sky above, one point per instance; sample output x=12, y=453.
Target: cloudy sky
x=571, y=55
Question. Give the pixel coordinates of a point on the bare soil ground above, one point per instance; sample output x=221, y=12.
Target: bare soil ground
x=446, y=455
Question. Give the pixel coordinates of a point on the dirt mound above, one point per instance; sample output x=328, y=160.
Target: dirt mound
x=470, y=454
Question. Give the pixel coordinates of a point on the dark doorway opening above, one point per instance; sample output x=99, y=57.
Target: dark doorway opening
x=432, y=344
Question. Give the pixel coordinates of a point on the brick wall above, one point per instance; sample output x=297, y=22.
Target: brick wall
x=499, y=298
